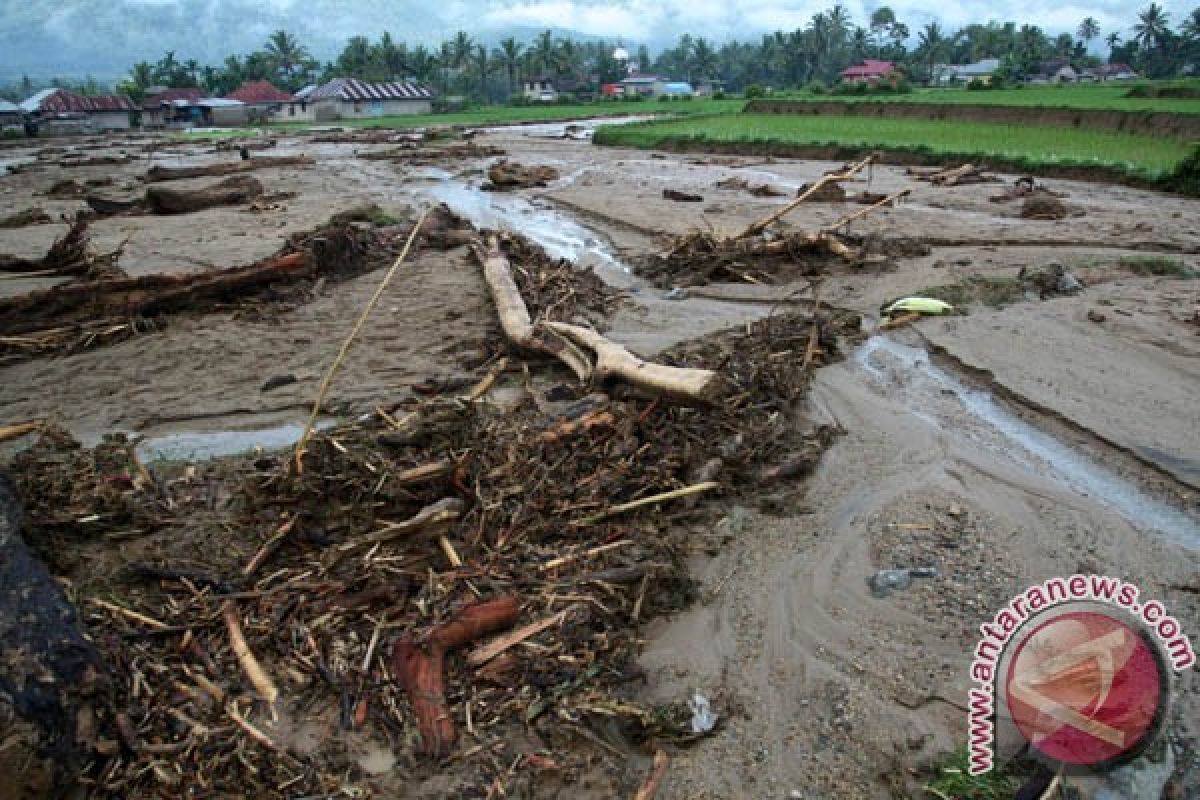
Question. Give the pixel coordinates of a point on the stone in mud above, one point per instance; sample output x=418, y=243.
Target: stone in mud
x=49, y=673
x=1048, y=280
x=1144, y=778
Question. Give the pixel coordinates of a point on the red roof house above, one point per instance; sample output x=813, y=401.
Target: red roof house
x=260, y=93
x=868, y=71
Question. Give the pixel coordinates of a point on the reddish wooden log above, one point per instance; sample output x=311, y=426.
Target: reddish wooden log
x=419, y=665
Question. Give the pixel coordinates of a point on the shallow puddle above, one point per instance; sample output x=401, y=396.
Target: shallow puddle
x=192, y=446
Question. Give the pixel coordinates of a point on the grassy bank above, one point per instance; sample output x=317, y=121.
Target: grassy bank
x=1105, y=96
x=1016, y=145
x=501, y=115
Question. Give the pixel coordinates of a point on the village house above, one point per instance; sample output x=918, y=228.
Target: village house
x=1109, y=72
x=643, y=85
x=159, y=109
x=982, y=71
x=1056, y=71
x=869, y=71
x=348, y=98
x=61, y=111
x=263, y=100
x=677, y=89
x=11, y=117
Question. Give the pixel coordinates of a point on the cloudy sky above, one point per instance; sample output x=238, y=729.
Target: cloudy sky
x=721, y=19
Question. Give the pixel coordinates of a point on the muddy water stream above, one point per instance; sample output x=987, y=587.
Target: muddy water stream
x=936, y=398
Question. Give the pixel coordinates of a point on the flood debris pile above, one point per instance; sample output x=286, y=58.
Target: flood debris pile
x=737, y=183
x=961, y=175
x=1043, y=206
x=105, y=308
x=158, y=174
x=455, y=582
x=759, y=254
x=506, y=175
x=69, y=255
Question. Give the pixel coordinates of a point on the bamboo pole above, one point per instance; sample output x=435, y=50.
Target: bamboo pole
x=766, y=222
x=325, y=384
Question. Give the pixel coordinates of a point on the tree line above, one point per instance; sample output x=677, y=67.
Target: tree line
x=817, y=52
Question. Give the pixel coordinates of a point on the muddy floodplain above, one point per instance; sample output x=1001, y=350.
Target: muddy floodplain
x=1036, y=435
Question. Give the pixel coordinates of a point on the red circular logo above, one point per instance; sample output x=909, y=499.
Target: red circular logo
x=1086, y=689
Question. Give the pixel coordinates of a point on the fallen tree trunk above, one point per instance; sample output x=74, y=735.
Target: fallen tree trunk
x=232, y=191
x=49, y=672
x=514, y=315
x=77, y=303
x=614, y=361
x=159, y=174
x=419, y=665
x=67, y=256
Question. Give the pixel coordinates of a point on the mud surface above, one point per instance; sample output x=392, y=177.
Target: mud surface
x=831, y=691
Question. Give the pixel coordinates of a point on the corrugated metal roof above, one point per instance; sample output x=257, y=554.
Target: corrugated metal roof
x=306, y=91
x=352, y=89
x=58, y=101
x=260, y=92
x=9, y=108
x=218, y=102
x=158, y=99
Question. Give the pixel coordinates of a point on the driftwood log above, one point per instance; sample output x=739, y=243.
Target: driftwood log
x=419, y=663
x=758, y=227
x=564, y=341
x=232, y=191
x=614, y=361
x=78, y=303
x=69, y=255
x=49, y=673
x=159, y=174
x=514, y=315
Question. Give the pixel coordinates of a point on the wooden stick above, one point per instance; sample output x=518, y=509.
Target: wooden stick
x=254, y=671
x=613, y=360
x=269, y=547
x=424, y=473
x=485, y=653
x=129, y=613
x=433, y=519
x=766, y=222
x=595, y=551
x=254, y=733
x=387, y=278
x=649, y=787
x=862, y=212
x=10, y=432
x=810, y=350
x=697, y=488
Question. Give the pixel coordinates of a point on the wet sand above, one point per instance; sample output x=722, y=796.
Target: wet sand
x=1001, y=448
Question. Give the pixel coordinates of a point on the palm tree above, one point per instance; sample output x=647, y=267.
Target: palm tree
x=286, y=53
x=508, y=55
x=543, y=51
x=1191, y=26
x=1151, y=28
x=460, y=49
x=704, y=58
x=1088, y=29
x=882, y=20
x=1112, y=40
x=484, y=64
x=142, y=74
x=931, y=43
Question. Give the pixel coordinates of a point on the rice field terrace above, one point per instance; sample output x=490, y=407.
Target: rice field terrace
x=501, y=115
x=1101, y=97
x=1022, y=146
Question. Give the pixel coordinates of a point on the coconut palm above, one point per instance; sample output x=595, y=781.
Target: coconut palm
x=1112, y=40
x=1191, y=26
x=543, y=51
x=483, y=65
x=508, y=56
x=1088, y=29
x=704, y=58
x=931, y=45
x=1151, y=28
x=286, y=53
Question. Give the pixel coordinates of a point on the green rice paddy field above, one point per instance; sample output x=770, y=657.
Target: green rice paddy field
x=1108, y=97
x=1026, y=145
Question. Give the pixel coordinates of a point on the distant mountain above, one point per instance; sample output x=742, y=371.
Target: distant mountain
x=102, y=38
